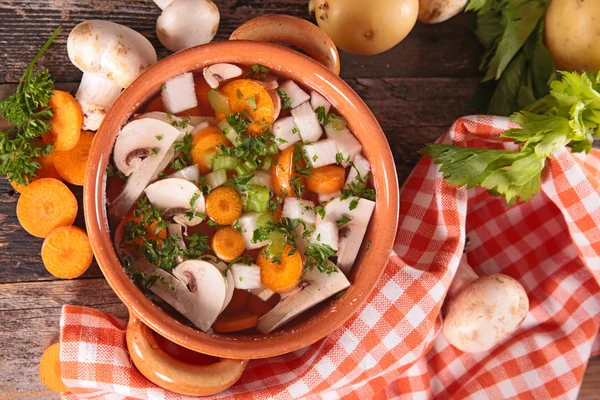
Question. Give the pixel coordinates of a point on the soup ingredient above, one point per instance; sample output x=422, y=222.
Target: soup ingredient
x=179, y=93
x=44, y=205
x=29, y=115
x=234, y=323
x=280, y=273
x=436, y=11
x=358, y=213
x=187, y=23
x=322, y=153
x=50, y=369
x=191, y=173
x=348, y=146
x=517, y=65
x=178, y=199
x=204, y=147
x=47, y=170
x=229, y=284
x=228, y=243
x=276, y=103
x=66, y=123
x=248, y=223
x=293, y=93
x=261, y=178
x=366, y=30
x=565, y=117
x=317, y=100
x=250, y=99
x=304, y=210
x=484, y=312
x=360, y=170
x=307, y=122
x=246, y=276
x=110, y=56
x=149, y=231
x=197, y=290
x=224, y=205
x=326, y=180
x=286, y=132
x=67, y=252
x=314, y=288
x=216, y=178
x=284, y=173
x=217, y=73
x=571, y=34
x=136, y=141
x=71, y=164
x=326, y=232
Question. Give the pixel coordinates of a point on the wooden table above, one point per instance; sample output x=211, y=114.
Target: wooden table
x=415, y=90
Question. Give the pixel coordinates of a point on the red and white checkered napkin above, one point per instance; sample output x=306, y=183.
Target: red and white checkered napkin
x=391, y=347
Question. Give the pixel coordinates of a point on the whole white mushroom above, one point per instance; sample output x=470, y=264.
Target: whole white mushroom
x=111, y=56
x=186, y=23
x=482, y=311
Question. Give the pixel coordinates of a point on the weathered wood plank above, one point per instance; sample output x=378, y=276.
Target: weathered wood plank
x=447, y=49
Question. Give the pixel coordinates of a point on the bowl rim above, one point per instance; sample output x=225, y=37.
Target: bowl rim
x=306, y=71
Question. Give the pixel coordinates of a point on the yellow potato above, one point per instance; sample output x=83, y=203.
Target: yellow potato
x=572, y=34
x=364, y=27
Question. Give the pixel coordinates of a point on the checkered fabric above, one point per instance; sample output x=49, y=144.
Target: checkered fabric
x=392, y=347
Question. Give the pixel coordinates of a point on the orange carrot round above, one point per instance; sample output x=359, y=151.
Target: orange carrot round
x=228, y=243
x=238, y=301
x=250, y=96
x=204, y=142
x=280, y=277
x=45, y=205
x=261, y=307
x=50, y=369
x=283, y=172
x=326, y=180
x=67, y=252
x=47, y=170
x=224, y=205
x=234, y=323
x=66, y=121
x=71, y=164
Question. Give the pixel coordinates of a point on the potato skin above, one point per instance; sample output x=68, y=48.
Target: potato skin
x=366, y=28
x=436, y=11
x=572, y=34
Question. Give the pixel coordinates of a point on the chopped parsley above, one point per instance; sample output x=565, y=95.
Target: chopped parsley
x=239, y=94
x=194, y=198
x=285, y=99
x=317, y=256
x=159, y=137
x=241, y=182
x=252, y=102
x=320, y=210
x=343, y=221
x=323, y=117
x=257, y=72
x=183, y=149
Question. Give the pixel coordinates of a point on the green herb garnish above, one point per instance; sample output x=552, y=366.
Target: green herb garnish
x=285, y=99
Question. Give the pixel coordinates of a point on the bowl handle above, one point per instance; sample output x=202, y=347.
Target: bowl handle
x=294, y=31
x=175, y=375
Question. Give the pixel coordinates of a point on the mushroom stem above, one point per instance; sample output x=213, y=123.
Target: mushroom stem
x=95, y=95
x=162, y=4
x=464, y=276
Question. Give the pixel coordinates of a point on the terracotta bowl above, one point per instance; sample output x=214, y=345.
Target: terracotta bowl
x=323, y=319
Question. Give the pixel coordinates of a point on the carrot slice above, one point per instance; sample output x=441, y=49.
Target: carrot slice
x=283, y=172
x=326, y=180
x=66, y=121
x=45, y=205
x=261, y=307
x=50, y=369
x=47, y=170
x=204, y=142
x=238, y=301
x=224, y=205
x=67, y=252
x=234, y=323
x=155, y=105
x=71, y=164
x=228, y=243
x=280, y=277
x=247, y=95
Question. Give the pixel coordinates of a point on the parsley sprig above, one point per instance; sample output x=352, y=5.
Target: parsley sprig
x=30, y=116
x=317, y=256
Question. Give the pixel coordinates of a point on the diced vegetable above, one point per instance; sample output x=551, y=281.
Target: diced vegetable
x=283, y=274
x=229, y=132
x=247, y=224
x=322, y=153
x=298, y=208
x=218, y=102
x=216, y=178
x=317, y=100
x=246, y=276
x=359, y=210
x=326, y=232
x=326, y=180
x=362, y=166
x=296, y=95
x=261, y=178
x=250, y=101
x=286, y=133
x=323, y=198
x=224, y=205
x=179, y=93
x=228, y=243
x=190, y=173
x=348, y=145
x=224, y=162
x=307, y=122
x=205, y=145
x=257, y=199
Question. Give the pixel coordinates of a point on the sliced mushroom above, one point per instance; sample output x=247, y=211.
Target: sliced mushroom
x=141, y=133
x=315, y=287
x=276, y=103
x=269, y=83
x=217, y=73
x=221, y=266
x=174, y=196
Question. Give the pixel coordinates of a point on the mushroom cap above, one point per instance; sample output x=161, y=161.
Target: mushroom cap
x=187, y=23
x=485, y=312
x=217, y=73
x=115, y=52
x=176, y=194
